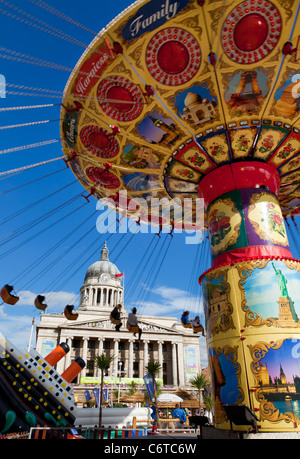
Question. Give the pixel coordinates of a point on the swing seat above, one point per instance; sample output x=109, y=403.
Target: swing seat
x=132, y=328
x=115, y=321
x=186, y=325
x=69, y=314
x=38, y=302
x=7, y=296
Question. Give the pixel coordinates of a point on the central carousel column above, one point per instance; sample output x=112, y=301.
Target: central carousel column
x=248, y=295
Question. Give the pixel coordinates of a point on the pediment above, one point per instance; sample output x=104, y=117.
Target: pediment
x=148, y=326
x=105, y=324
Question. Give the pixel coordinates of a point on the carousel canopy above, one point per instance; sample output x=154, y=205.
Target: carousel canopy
x=170, y=91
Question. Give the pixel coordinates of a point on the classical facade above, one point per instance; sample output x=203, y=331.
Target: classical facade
x=163, y=339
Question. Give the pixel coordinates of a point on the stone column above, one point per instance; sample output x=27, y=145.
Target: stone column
x=116, y=355
x=100, y=352
x=160, y=358
x=145, y=355
x=84, y=354
x=180, y=361
x=68, y=356
x=174, y=364
x=130, y=358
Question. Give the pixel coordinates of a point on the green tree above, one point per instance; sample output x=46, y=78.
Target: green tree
x=153, y=368
x=132, y=390
x=208, y=402
x=159, y=387
x=199, y=382
x=102, y=362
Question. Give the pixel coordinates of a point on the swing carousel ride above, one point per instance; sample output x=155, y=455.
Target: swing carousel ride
x=198, y=100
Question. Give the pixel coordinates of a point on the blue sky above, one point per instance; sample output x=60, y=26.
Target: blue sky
x=48, y=234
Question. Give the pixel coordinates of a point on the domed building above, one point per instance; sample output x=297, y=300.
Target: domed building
x=102, y=285
x=163, y=338
x=198, y=110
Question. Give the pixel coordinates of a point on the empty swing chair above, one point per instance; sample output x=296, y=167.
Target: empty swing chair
x=39, y=303
x=7, y=296
x=69, y=314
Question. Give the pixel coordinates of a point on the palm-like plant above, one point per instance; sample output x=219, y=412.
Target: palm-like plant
x=199, y=382
x=208, y=403
x=158, y=392
x=102, y=362
x=153, y=368
x=132, y=390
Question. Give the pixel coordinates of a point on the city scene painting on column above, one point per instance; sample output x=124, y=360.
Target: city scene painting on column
x=225, y=372
x=271, y=290
x=276, y=367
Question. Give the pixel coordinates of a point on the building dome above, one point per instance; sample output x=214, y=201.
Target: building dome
x=192, y=98
x=102, y=288
x=103, y=266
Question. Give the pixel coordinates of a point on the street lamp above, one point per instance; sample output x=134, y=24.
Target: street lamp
x=111, y=375
x=120, y=374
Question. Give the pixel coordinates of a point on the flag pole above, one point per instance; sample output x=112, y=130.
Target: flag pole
x=30, y=338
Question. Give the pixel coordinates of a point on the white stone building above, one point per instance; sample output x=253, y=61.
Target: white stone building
x=163, y=339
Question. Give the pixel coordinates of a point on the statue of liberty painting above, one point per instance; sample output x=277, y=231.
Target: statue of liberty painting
x=282, y=281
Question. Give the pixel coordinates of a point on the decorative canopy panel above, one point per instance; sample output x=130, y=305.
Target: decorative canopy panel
x=171, y=90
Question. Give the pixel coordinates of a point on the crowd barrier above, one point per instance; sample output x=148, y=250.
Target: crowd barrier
x=89, y=433
x=93, y=433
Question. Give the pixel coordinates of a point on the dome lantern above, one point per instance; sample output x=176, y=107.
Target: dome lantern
x=104, y=253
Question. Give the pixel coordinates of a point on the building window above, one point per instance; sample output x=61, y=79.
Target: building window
x=121, y=346
x=98, y=295
x=135, y=369
x=164, y=347
x=90, y=368
x=76, y=343
x=91, y=345
x=150, y=347
x=136, y=346
x=165, y=373
x=106, y=345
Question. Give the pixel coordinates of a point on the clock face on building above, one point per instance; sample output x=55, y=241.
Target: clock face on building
x=105, y=277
